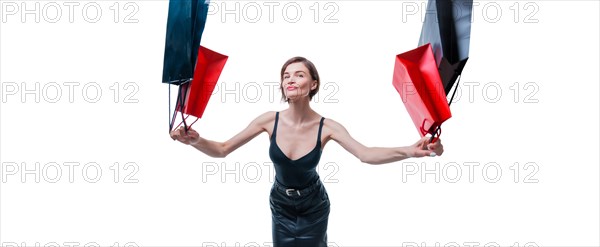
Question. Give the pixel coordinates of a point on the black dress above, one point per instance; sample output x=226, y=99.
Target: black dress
x=299, y=201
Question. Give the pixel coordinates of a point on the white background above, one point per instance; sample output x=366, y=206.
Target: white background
x=543, y=58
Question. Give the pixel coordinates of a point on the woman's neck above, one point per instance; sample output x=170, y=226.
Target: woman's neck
x=299, y=113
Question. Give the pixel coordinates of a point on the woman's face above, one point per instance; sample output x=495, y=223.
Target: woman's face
x=297, y=82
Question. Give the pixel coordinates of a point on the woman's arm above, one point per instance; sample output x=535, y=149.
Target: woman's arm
x=380, y=155
x=222, y=149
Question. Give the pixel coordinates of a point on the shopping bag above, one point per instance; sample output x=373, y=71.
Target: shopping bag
x=418, y=82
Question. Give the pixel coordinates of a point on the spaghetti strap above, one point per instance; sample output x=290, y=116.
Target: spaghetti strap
x=275, y=125
x=320, y=128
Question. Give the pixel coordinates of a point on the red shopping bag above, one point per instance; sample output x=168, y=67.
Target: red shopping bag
x=417, y=80
x=194, y=96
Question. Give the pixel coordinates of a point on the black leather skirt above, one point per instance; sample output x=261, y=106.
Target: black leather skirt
x=299, y=216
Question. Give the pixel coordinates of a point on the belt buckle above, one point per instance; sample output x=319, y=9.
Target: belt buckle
x=289, y=192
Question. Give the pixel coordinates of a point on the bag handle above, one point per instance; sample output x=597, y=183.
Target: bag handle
x=180, y=105
x=437, y=131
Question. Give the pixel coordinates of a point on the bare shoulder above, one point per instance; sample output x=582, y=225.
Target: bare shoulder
x=332, y=129
x=265, y=122
x=337, y=132
x=265, y=119
x=332, y=125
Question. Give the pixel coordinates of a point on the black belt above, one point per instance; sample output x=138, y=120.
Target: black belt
x=291, y=191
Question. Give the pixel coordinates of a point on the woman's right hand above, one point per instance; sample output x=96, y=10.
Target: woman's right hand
x=190, y=137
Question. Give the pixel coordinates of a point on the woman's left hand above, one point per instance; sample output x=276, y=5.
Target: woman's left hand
x=423, y=148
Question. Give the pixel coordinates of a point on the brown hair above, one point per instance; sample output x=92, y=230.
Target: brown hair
x=312, y=70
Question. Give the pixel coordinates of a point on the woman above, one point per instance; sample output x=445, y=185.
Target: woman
x=299, y=202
